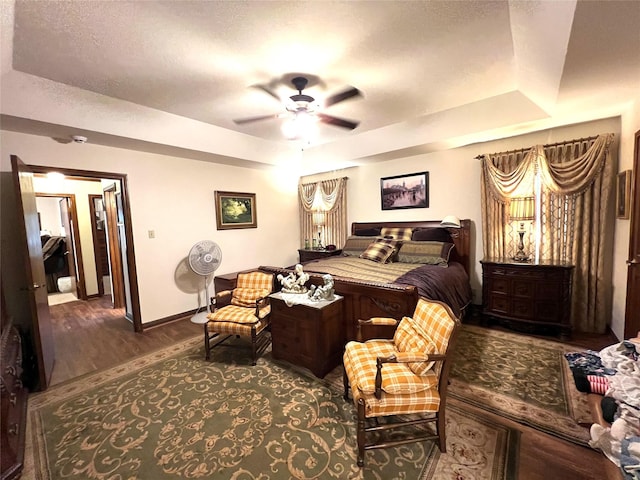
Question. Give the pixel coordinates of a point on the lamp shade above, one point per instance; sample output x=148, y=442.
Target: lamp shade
x=450, y=221
x=318, y=218
x=522, y=208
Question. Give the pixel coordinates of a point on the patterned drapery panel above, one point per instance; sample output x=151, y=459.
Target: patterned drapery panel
x=574, y=223
x=329, y=196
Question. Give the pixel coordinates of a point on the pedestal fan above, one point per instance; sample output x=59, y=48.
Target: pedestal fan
x=204, y=258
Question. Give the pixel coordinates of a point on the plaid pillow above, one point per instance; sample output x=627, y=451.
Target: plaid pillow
x=246, y=297
x=430, y=253
x=355, y=245
x=381, y=251
x=397, y=233
x=410, y=338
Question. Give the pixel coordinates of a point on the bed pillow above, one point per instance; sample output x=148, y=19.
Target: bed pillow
x=355, y=245
x=430, y=253
x=381, y=251
x=368, y=232
x=396, y=233
x=436, y=234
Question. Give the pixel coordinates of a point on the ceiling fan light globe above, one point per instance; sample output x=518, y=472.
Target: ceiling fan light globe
x=289, y=129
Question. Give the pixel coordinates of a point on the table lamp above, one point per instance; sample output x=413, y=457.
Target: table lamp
x=522, y=210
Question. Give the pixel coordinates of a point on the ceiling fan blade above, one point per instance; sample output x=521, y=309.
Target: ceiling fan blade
x=338, y=122
x=240, y=121
x=342, y=96
x=267, y=90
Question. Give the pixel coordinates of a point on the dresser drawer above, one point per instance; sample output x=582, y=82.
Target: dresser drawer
x=523, y=288
x=499, y=285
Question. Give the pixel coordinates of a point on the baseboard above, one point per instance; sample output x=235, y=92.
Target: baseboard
x=172, y=318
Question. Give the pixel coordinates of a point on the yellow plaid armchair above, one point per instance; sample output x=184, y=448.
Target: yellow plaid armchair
x=243, y=312
x=406, y=376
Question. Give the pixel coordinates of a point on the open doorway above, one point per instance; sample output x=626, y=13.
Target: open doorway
x=61, y=248
x=105, y=238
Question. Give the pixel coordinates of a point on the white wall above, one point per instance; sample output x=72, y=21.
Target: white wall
x=174, y=197
x=49, y=214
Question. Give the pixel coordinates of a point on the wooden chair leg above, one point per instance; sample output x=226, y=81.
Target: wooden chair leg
x=442, y=434
x=254, y=354
x=361, y=433
x=345, y=382
x=207, y=346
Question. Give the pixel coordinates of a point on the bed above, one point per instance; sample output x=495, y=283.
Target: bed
x=375, y=288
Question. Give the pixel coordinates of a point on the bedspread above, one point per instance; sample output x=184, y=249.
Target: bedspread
x=446, y=284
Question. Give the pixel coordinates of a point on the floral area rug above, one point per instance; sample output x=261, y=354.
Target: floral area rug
x=171, y=414
x=522, y=378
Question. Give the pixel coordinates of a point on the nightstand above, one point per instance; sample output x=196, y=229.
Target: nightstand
x=536, y=295
x=308, y=254
x=310, y=334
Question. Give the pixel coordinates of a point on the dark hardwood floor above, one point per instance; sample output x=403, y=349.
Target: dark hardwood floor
x=90, y=336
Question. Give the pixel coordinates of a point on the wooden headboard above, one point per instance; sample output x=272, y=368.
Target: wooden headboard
x=461, y=236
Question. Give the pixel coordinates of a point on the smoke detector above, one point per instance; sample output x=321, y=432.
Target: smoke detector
x=79, y=139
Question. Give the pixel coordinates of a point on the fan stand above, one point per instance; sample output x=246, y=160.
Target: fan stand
x=201, y=317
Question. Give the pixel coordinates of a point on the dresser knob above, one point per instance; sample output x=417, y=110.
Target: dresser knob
x=13, y=429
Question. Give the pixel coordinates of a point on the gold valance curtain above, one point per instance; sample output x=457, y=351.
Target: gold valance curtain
x=573, y=182
x=329, y=196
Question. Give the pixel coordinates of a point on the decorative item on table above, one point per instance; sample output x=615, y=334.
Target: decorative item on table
x=306, y=244
x=294, y=282
x=522, y=210
x=322, y=292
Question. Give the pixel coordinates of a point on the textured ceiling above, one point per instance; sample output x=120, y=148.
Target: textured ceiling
x=415, y=62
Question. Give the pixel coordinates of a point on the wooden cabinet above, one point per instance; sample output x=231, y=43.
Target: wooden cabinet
x=308, y=335
x=534, y=294
x=307, y=255
x=13, y=396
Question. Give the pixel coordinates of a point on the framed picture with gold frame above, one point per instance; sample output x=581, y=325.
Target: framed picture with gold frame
x=235, y=210
x=623, y=194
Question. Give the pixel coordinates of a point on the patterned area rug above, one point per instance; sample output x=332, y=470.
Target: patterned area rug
x=171, y=414
x=522, y=378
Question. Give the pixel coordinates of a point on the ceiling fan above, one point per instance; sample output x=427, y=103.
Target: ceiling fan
x=302, y=108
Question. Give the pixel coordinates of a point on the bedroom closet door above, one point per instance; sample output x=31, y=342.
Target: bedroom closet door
x=632, y=316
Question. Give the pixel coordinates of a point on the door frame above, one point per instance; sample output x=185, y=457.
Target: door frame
x=81, y=285
x=128, y=229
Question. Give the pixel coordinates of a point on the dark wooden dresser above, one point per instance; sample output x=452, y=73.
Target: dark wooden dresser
x=13, y=398
x=306, y=255
x=311, y=336
x=534, y=295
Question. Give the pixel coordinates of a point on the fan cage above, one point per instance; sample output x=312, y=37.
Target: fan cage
x=205, y=257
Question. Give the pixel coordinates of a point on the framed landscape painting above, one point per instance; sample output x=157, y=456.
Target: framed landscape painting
x=405, y=191
x=235, y=210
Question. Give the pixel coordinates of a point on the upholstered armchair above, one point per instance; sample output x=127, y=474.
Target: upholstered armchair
x=406, y=376
x=242, y=312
